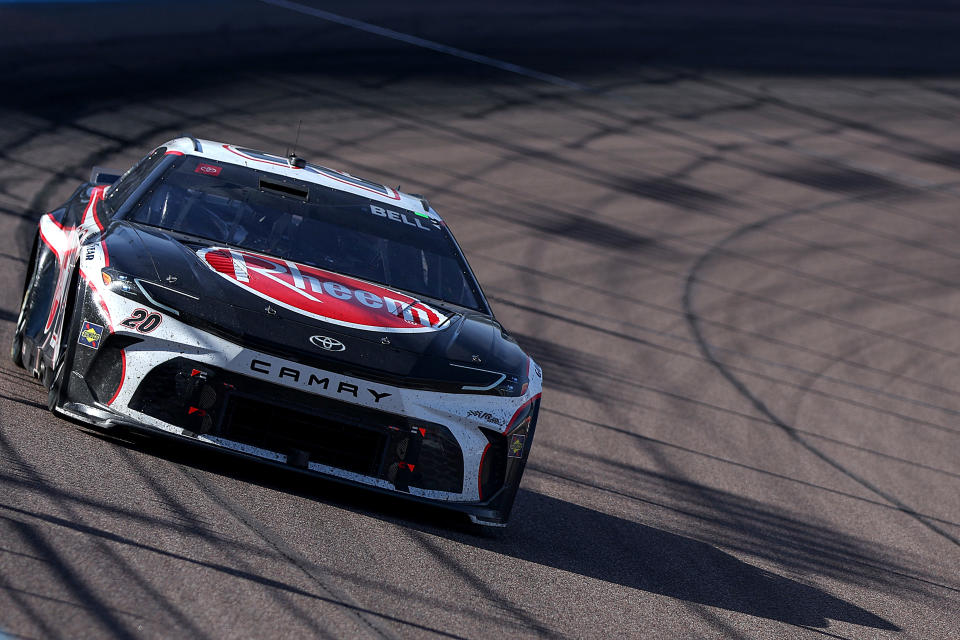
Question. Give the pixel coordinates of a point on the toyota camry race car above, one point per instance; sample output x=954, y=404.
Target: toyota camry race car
x=285, y=312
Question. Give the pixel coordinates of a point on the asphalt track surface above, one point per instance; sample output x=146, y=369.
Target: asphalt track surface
x=728, y=234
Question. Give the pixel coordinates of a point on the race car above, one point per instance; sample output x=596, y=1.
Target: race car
x=285, y=312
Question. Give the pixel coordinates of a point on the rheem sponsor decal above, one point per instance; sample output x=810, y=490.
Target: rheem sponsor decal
x=321, y=294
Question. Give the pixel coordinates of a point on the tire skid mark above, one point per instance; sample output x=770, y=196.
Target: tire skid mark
x=32, y=613
x=628, y=260
x=98, y=541
x=796, y=403
x=615, y=377
x=652, y=124
x=735, y=463
x=32, y=537
x=741, y=546
x=395, y=590
x=900, y=142
x=373, y=620
x=226, y=547
x=221, y=568
x=592, y=288
x=68, y=603
x=520, y=152
x=485, y=590
x=809, y=434
x=32, y=484
x=708, y=353
x=634, y=470
x=728, y=514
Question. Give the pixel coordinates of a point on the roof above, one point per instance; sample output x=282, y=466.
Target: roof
x=318, y=174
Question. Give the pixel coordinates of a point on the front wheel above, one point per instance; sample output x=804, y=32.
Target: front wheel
x=16, y=346
x=56, y=378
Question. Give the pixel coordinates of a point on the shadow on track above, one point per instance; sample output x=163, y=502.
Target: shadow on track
x=572, y=538
x=556, y=533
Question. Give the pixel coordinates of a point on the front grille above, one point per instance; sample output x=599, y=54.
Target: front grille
x=326, y=441
x=441, y=462
x=304, y=427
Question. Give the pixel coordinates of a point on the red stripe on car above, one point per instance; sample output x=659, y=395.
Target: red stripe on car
x=520, y=410
x=480, y=472
x=123, y=375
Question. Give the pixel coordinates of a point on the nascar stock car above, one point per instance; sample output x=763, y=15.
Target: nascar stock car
x=284, y=312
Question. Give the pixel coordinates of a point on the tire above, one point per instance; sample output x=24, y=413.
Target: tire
x=16, y=346
x=55, y=379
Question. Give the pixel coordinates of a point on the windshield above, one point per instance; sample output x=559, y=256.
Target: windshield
x=311, y=224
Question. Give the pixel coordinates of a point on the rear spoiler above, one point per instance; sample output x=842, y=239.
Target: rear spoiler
x=99, y=175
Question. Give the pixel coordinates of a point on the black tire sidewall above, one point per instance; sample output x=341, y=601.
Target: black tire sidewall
x=68, y=341
x=16, y=346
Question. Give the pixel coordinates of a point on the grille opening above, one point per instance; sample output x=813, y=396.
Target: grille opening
x=440, y=462
x=208, y=400
x=281, y=429
x=493, y=466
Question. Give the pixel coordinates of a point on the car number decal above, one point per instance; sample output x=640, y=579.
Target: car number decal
x=143, y=321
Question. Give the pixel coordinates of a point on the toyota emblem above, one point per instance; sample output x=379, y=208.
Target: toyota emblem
x=327, y=344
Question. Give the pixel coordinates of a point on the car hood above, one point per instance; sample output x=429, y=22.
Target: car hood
x=288, y=308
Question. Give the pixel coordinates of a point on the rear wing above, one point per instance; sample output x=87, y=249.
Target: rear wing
x=99, y=175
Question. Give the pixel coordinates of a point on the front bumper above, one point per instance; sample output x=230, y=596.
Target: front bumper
x=183, y=382
x=494, y=512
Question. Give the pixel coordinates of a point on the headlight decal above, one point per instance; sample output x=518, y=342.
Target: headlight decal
x=137, y=288
x=522, y=414
x=503, y=385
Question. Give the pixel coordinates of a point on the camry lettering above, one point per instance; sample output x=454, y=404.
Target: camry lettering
x=310, y=380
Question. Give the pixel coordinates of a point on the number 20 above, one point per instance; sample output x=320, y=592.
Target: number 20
x=142, y=321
